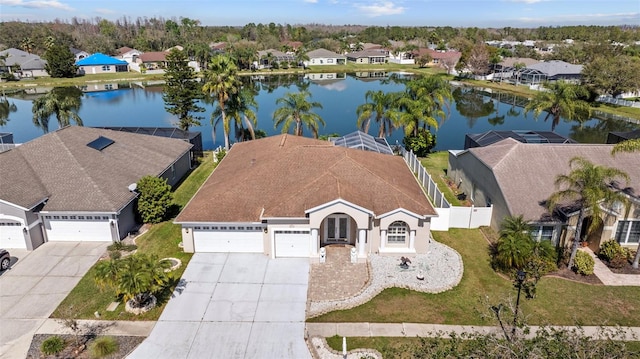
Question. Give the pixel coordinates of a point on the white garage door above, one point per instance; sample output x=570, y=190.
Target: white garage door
x=228, y=241
x=83, y=230
x=292, y=243
x=11, y=235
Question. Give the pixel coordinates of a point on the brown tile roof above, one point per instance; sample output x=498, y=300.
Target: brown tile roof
x=157, y=56
x=438, y=54
x=526, y=172
x=75, y=177
x=283, y=176
x=123, y=50
x=511, y=61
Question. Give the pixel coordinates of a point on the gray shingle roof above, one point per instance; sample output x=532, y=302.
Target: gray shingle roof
x=324, y=53
x=25, y=60
x=74, y=177
x=526, y=172
x=556, y=67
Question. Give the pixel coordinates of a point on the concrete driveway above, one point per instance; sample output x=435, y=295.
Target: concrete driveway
x=234, y=306
x=34, y=287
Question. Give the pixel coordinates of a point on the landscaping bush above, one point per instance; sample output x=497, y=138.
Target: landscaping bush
x=120, y=246
x=421, y=144
x=103, y=346
x=154, y=200
x=115, y=255
x=52, y=345
x=583, y=263
x=610, y=250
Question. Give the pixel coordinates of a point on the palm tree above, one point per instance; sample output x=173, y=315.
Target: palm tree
x=297, y=110
x=221, y=81
x=424, y=101
x=27, y=44
x=240, y=109
x=380, y=105
x=6, y=108
x=590, y=187
x=560, y=100
x=626, y=146
x=63, y=102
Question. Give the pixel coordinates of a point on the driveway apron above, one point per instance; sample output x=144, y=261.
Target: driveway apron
x=34, y=287
x=232, y=305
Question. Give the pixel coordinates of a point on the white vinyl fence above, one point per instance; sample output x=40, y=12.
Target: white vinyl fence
x=448, y=216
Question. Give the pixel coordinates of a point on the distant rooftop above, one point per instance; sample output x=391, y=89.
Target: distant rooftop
x=363, y=141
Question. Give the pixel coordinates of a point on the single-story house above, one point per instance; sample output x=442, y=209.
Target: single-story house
x=78, y=54
x=217, y=47
x=100, y=64
x=290, y=196
x=324, y=57
x=269, y=56
x=128, y=54
x=74, y=184
x=376, y=56
x=23, y=64
x=554, y=70
x=526, y=136
x=154, y=60
x=443, y=59
x=517, y=179
x=507, y=68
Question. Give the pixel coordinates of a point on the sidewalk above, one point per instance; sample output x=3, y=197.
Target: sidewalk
x=432, y=330
x=607, y=277
x=106, y=327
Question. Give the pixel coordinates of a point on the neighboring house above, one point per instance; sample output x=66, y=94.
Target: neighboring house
x=324, y=57
x=23, y=64
x=100, y=63
x=443, y=59
x=472, y=140
x=128, y=54
x=79, y=54
x=506, y=69
x=73, y=184
x=518, y=178
x=269, y=56
x=550, y=71
x=377, y=56
x=290, y=196
x=397, y=55
x=363, y=141
x=217, y=47
x=155, y=60
x=617, y=137
x=6, y=142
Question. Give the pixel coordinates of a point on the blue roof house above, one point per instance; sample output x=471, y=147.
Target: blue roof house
x=100, y=63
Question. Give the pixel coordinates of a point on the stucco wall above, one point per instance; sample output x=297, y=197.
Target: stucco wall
x=127, y=220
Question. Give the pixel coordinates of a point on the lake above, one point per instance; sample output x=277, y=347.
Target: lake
x=474, y=111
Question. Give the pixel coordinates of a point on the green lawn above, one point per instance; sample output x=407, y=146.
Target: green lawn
x=160, y=240
x=436, y=165
x=559, y=302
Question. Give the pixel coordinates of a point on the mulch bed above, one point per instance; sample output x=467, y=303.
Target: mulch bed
x=126, y=344
x=628, y=269
x=567, y=273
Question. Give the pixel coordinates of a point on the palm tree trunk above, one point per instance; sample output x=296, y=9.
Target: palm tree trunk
x=225, y=131
x=637, y=258
x=576, y=238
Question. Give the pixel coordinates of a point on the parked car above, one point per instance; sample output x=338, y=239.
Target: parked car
x=5, y=259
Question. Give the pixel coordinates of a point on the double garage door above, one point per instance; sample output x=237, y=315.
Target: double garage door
x=11, y=235
x=85, y=230
x=245, y=241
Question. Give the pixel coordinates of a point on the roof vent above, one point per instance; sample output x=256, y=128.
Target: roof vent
x=100, y=143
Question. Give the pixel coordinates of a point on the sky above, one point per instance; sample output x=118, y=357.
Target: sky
x=456, y=13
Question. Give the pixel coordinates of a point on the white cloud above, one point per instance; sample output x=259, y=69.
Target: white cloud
x=37, y=4
x=311, y=1
x=104, y=11
x=380, y=9
x=586, y=18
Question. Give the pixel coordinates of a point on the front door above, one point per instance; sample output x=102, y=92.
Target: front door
x=337, y=228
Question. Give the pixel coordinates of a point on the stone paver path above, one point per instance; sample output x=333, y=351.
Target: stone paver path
x=337, y=278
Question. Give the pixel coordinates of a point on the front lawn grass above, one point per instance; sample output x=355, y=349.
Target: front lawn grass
x=161, y=240
x=559, y=302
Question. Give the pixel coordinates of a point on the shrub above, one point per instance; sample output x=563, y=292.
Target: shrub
x=583, y=263
x=52, y=345
x=610, y=250
x=115, y=254
x=103, y=346
x=120, y=246
x=421, y=144
x=220, y=155
x=154, y=199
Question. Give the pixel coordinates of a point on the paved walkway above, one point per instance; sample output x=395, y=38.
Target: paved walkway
x=607, y=277
x=337, y=278
x=430, y=330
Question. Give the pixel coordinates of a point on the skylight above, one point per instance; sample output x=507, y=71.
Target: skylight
x=100, y=143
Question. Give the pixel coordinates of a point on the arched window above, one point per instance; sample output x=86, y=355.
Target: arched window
x=397, y=232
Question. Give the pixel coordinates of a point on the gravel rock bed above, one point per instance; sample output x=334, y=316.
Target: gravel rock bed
x=126, y=345
x=441, y=267
x=320, y=349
